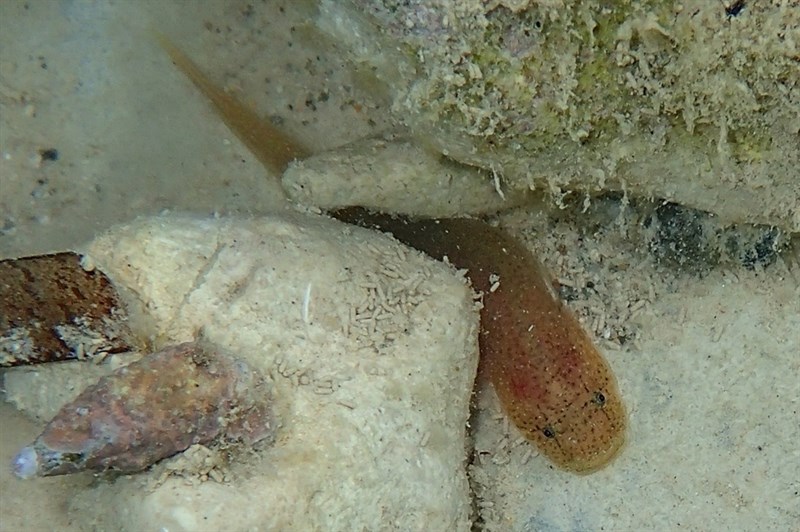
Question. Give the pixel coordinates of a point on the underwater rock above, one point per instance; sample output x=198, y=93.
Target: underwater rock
x=689, y=104
x=694, y=241
x=149, y=410
x=396, y=176
x=54, y=308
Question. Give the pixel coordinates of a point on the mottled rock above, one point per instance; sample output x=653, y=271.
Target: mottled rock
x=688, y=102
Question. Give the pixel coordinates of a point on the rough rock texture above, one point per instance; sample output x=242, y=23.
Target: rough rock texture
x=372, y=348
x=388, y=174
x=41, y=390
x=697, y=102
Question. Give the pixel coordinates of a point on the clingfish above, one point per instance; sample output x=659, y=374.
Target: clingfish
x=151, y=409
x=552, y=381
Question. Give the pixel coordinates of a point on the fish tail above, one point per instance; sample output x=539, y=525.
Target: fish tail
x=275, y=149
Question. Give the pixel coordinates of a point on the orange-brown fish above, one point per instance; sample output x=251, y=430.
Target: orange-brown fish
x=551, y=380
x=553, y=383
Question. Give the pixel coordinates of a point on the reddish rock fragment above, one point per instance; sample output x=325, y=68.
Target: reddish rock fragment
x=149, y=410
x=51, y=309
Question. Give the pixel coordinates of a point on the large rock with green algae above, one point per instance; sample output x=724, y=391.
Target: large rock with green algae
x=697, y=102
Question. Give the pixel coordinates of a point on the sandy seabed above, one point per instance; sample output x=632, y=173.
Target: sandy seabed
x=712, y=380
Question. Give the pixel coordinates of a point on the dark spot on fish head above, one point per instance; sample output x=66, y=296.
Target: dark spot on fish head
x=599, y=398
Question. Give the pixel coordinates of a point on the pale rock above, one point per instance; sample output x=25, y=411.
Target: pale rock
x=372, y=350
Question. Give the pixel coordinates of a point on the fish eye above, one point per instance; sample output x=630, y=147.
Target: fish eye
x=599, y=399
x=549, y=432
